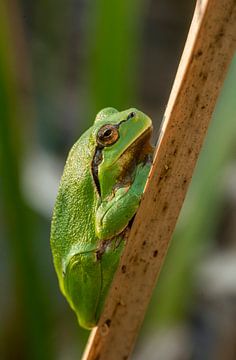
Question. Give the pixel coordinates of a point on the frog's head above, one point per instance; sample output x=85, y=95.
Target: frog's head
x=122, y=142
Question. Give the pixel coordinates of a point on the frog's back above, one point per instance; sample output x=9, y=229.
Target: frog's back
x=73, y=217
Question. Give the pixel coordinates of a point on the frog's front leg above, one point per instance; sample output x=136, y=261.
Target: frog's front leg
x=113, y=215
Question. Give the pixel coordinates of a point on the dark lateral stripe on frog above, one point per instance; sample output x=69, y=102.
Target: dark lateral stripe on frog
x=97, y=159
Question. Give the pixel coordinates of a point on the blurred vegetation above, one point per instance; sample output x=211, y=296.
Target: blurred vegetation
x=60, y=62
x=20, y=223
x=32, y=330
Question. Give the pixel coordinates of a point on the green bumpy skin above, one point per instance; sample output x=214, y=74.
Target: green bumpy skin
x=99, y=193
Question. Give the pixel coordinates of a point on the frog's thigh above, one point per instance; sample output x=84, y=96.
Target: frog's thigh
x=83, y=284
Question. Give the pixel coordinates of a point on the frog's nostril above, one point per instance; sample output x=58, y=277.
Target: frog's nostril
x=131, y=115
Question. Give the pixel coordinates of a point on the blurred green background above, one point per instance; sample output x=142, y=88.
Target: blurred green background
x=60, y=63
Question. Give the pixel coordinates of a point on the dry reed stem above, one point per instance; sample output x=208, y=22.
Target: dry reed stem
x=208, y=52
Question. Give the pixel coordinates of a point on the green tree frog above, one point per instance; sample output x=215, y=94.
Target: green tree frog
x=99, y=193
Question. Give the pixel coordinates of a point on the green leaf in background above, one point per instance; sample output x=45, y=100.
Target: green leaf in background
x=114, y=34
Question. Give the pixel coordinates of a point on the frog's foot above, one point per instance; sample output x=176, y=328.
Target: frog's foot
x=102, y=248
x=112, y=244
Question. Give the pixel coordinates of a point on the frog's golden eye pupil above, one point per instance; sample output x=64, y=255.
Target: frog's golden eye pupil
x=107, y=135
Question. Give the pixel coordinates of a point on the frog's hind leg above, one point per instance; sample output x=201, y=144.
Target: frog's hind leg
x=83, y=286
x=109, y=261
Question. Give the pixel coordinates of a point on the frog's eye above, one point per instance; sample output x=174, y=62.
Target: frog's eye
x=107, y=135
x=131, y=115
